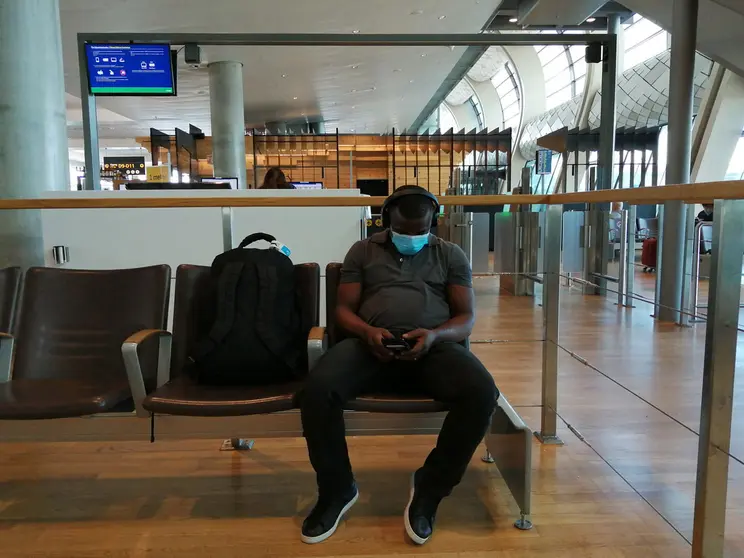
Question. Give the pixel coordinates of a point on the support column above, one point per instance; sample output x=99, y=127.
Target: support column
x=33, y=121
x=228, y=120
x=596, y=218
x=682, y=73
x=607, y=108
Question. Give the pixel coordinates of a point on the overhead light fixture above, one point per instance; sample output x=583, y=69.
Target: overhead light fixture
x=397, y=70
x=417, y=12
x=353, y=106
x=352, y=130
x=423, y=55
x=284, y=75
x=591, y=19
x=356, y=31
x=442, y=17
x=410, y=81
x=295, y=98
x=354, y=66
x=513, y=20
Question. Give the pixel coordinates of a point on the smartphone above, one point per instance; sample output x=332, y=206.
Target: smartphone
x=396, y=345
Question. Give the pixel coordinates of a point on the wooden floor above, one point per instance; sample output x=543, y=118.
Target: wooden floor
x=622, y=486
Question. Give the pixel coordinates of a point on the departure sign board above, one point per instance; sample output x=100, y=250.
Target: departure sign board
x=123, y=167
x=135, y=69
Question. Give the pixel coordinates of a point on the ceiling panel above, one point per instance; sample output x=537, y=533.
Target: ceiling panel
x=365, y=89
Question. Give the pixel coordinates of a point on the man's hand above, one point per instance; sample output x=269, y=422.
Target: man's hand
x=374, y=336
x=424, y=340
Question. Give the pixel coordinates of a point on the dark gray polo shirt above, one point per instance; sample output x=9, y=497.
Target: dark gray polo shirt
x=403, y=293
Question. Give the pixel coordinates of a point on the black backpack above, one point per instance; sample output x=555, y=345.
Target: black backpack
x=256, y=336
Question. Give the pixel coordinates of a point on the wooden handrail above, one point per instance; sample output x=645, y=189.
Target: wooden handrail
x=690, y=193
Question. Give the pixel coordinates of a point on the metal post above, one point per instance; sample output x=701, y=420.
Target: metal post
x=695, y=281
x=659, y=263
x=682, y=73
x=718, y=380
x=228, y=120
x=551, y=289
x=90, y=125
x=630, y=257
x=688, y=265
x=622, y=261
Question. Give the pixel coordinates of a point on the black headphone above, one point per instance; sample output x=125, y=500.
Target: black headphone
x=408, y=191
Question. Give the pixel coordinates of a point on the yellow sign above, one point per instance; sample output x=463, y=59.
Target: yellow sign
x=158, y=174
x=378, y=222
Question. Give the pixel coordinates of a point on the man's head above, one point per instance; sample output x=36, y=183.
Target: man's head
x=708, y=208
x=412, y=214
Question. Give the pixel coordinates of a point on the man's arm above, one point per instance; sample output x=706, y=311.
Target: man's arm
x=461, y=301
x=347, y=305
x=462, y=308
x=349, y=296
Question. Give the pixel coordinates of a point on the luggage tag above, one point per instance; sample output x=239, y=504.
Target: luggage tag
x=276, y=245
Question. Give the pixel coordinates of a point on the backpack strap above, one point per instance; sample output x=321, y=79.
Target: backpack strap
x=267, y=295
x=227, y=285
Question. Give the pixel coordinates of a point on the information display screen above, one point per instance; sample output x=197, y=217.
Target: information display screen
x=123, y=166
x=135, y=69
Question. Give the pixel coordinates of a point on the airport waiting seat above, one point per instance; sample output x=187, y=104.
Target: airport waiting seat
x=180, y=394
x=508, y=442
x=70, y=330
x=10, y=283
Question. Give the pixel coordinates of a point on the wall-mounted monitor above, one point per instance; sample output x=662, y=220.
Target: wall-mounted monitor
x=130, y=69
x=233, y=182
x=308, y=185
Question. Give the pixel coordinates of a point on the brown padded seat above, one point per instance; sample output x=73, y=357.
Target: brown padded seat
x=52, y=398
x=374, y=402
x=70, y=331
x=183, y=396
x=10, y=282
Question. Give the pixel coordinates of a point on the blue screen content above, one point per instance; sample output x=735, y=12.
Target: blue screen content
x=130, y=69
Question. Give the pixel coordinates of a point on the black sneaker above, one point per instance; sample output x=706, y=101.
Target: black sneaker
x=326, y=515
x=420, y=513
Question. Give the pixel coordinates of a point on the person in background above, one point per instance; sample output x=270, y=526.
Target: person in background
x=275, y=180
x=616, y=221
x=706, y=215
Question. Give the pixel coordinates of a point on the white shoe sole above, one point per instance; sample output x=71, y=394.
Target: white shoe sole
x=329, y=533
x=407, y=522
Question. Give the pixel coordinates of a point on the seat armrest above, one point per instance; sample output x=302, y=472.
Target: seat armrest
x=130, y=353
x=6, y=356
x=317, y=344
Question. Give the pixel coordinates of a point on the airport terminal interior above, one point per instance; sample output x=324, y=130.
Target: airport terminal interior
x=586, y=157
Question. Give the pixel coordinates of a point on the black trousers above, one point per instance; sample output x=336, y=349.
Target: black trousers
x=448, y=373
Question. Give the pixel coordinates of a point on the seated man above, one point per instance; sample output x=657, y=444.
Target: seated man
x=400, y=282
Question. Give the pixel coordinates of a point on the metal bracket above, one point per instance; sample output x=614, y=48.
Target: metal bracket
x=237, y=444
x=549, y=440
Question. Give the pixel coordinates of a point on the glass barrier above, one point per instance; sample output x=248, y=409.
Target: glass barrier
x=566, y=304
